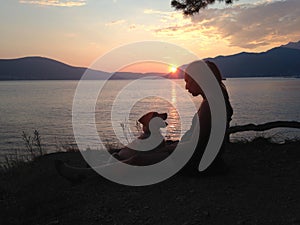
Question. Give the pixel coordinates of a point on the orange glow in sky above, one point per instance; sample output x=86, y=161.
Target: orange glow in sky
x=149, y=67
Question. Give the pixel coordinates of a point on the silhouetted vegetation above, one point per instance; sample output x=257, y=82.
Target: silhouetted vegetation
x=191, y=7
x=33, y=144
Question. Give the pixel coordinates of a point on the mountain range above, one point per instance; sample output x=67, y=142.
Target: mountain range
x=281, y=61
x=278, y=62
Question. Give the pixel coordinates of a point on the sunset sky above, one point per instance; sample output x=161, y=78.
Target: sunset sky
x=79, y=31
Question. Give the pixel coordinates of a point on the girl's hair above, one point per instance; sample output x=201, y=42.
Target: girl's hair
x=218, y=76
x=215, y=70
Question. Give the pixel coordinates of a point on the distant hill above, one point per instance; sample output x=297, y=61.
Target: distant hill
x=281, y=61
x=278, y=62
x=39, y=68
x=294, y=45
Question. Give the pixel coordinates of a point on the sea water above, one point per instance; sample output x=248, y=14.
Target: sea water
x=46, y=106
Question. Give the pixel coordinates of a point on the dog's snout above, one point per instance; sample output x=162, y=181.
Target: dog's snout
x=164, y=116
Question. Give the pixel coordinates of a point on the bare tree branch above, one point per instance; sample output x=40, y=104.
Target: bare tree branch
x=265, y=126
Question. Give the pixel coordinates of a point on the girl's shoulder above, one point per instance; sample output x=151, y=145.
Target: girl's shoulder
x=204, y=109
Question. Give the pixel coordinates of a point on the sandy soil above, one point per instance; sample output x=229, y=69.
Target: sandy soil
x=261, y=187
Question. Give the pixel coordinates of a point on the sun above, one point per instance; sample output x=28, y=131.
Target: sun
x=173, y=69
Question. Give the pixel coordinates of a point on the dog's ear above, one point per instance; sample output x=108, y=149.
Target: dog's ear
x=145, y=119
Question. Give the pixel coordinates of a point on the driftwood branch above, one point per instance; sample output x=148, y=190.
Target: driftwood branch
x=265, y=126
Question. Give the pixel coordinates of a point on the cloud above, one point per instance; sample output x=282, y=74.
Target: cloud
x=132, y=27
x=252, y=26
x=115, y=22
x=59, y=3
x=151, y=11
x=246, y=26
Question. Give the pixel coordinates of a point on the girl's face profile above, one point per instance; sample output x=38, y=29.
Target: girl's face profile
x=192, y=86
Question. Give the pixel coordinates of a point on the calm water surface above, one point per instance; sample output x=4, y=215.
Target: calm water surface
x=47, y=107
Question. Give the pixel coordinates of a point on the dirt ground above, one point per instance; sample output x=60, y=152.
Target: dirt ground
x=261, y=187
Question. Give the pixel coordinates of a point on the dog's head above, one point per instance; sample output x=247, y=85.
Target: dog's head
x=145, y=121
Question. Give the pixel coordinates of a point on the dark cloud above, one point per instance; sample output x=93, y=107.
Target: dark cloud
x=251, y=26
